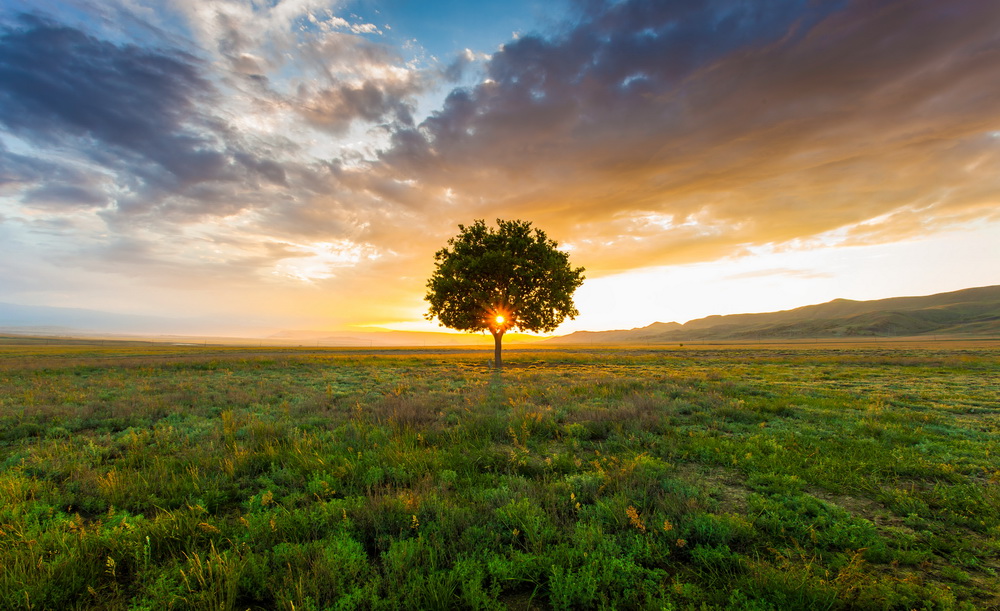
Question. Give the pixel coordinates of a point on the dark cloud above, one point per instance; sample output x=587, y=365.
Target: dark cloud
x=57, y=82
x=59, y=195
x=51, y=184
x=336, y=108
x=140, y=113
x=625, y=67
x=17, y=171
x=741, y=122
x=268, y=169
x=456, y=70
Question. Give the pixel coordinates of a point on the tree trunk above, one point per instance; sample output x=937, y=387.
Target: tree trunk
x=497, y=339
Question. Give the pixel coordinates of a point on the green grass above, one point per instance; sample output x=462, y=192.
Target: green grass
x=756, y=478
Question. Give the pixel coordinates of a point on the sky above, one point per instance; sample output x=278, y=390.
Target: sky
x=295, y=164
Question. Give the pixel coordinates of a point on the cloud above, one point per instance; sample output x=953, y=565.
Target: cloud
x=135, y=118
x=456, y=70
x=54, y=185
x=60, y=84
x=353, y=80
x=302, y=57
x=180, y=164
x=334, y=21
x=337, y=108
x=747, y=123
x=247, y=143
x=57, y=195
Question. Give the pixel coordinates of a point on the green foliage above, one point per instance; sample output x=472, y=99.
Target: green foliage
x=511, y=270
x=190, y=478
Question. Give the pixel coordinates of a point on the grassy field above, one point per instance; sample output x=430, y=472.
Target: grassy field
x=156, y=477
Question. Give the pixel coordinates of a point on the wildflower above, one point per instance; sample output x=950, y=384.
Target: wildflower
x=667, y=526
x=415, y=524
x=681, y=542
x=633, y=517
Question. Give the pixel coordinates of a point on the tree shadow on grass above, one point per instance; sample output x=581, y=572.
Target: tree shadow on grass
x=496, y=393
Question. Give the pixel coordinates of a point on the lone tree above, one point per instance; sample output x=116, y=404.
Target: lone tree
x=512, y=277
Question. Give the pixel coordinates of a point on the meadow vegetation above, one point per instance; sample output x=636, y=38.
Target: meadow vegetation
x=751, y=478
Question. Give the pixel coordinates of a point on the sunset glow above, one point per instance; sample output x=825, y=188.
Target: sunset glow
x=254, y=167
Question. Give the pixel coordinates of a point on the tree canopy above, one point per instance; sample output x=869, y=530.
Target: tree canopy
x=512, y=277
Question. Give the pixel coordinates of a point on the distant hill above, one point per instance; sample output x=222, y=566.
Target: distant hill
x=640, y=334
x=969, y=312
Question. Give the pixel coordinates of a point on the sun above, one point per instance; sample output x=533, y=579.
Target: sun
x=500, y=319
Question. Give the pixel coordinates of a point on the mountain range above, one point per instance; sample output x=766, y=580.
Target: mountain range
x=969, y=312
